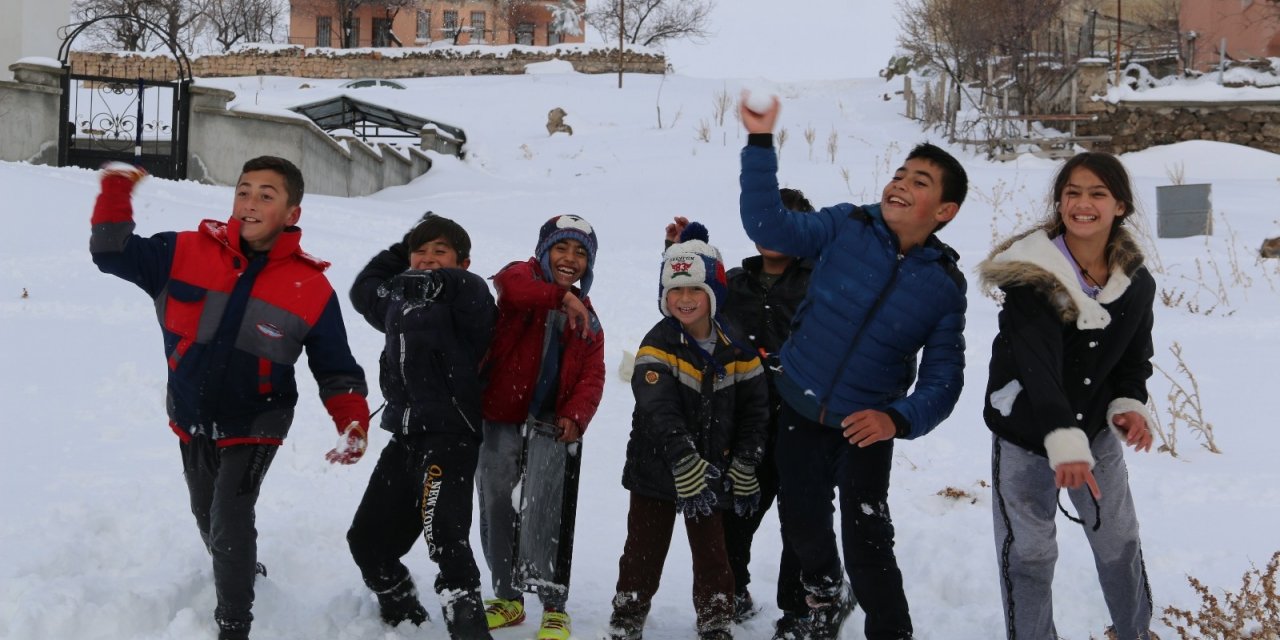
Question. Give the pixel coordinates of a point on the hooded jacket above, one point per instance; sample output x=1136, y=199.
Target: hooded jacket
x=869, y=312
x=233, y=324
x=685, y=404
x=513, y=363
x=1063, y=363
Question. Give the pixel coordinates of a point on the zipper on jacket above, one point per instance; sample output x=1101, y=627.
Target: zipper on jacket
x=857, y=337
x=453, y=397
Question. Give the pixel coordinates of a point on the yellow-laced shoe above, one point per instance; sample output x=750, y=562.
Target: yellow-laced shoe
x=503, y=613
x=555, y=626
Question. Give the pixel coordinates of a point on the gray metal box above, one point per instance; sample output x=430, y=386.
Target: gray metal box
x=1184, y=210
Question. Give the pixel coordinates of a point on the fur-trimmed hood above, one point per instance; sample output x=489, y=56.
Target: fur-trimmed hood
x=1031, y=259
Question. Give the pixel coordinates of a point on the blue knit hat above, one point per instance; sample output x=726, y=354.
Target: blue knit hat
x=693, y=262
x=567, y=227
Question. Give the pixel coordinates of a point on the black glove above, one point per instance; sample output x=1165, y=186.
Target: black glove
x=693, y=495
x=746, y=488
x=413, y=287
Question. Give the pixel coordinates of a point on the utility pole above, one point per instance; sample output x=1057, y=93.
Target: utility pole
x=1119, y=29
x=622, y=17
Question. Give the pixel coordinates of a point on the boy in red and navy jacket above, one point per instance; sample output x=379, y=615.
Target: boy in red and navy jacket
x=237, y=302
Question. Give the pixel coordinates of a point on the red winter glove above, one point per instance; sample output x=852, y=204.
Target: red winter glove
x=350, y=414
x=121, y=173
x=118, y=180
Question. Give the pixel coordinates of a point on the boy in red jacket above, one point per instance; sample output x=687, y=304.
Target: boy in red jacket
x=546, y=361
x=238, y=302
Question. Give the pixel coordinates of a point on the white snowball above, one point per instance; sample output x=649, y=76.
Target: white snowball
x=759, y=101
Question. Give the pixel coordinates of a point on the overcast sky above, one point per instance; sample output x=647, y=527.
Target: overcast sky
x=832, y=38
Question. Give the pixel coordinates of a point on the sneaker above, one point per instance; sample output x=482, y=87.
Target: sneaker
x=791, y=627
x=555, y=626
x=744, y=608
x=503, y=613
x=827, y=615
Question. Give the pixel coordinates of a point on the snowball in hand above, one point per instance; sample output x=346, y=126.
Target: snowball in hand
x=758, y=101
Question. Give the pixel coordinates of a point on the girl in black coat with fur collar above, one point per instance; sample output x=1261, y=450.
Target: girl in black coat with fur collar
x=1067, y=385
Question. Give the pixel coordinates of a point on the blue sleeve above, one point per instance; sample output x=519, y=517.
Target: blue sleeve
x=145, y=262
x=770, y=224
x=941, y=376
x=329, y=355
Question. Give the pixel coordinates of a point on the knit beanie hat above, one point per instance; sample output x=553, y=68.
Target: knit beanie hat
x=567, y=227
x=693, y=262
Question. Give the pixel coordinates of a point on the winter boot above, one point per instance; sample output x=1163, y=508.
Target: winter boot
x=555, y=626
x=715, y=634
x=232, y=629
x=503, y=613
x=744, y=608
x=620, y=633
x=627, y=620
x=827, y=614
x=259, y=569
x=791, y=626
x=464, y=617
x=400, y=604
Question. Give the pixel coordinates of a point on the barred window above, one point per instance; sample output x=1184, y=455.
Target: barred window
x=324, y=26
x=423, y=33
x=477, y=26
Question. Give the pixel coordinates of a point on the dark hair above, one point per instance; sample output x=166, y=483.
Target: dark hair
x=794, y=200
x=1108, y=169
x=292, y=176
x=433, y=227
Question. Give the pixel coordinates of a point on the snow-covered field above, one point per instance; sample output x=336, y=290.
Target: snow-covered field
x=96, y=540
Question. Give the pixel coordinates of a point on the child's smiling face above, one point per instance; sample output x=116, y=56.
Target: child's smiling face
x=436, y=254
x=263, y=209
x=691, y=306
x=912, y=201
x=568, y=260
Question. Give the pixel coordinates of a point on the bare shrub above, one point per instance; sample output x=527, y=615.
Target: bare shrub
x=1252, y=613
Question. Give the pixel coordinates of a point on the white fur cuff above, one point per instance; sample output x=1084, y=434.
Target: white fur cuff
x=1124, y=405
x=1067, y=445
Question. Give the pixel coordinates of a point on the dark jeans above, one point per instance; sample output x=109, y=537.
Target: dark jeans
x=223, y=483
x=740, y=532
x=421, y=486
x=813, y=461
x=649, y=526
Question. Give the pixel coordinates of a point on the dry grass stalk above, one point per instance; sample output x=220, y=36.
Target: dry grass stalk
x=810, y=135
x=1253, y=613
x=1185, y=404
x=720, y=102
x=833, y=145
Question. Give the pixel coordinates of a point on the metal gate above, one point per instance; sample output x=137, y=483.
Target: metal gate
x=136, y=111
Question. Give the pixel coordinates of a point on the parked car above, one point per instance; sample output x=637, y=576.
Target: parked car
x=363, y=83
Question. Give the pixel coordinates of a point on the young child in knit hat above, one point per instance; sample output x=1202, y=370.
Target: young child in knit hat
x=546, y=362
x=697, y=435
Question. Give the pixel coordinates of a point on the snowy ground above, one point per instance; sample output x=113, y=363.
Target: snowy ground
x=97, y=538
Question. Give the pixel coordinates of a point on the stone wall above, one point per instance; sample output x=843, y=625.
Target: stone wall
x=1138, y=125
x=371, y=63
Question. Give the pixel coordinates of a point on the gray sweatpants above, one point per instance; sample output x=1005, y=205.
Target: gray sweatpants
x=497, y=477
x=1024, y=510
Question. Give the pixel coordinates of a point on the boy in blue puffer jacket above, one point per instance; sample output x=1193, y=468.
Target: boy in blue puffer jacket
x=884, y=297
x=438, y=318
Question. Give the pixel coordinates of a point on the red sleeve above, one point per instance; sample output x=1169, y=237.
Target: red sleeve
x=584, y=399
x=520, y=287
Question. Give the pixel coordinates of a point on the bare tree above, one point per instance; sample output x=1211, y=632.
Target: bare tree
x=650, y=22
x=175, y=19
x=230, y=22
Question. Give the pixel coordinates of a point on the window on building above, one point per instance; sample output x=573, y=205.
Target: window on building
x=355, y=32
x=553, y=36
x=324, y=26
x=423, y=33
x=477, y=26
x=450, y=27
x=524, y=33
x=381, y=32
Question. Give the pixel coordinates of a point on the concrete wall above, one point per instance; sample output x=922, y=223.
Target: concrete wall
x=219, y=141
x=29, y=115
x=30, y=28
x=330, y=63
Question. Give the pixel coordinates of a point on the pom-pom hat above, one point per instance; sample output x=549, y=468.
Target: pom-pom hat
x=567, y=227
x=693, y=262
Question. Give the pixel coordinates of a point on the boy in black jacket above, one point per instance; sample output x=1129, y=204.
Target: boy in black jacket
x=701, y=413
x=438, y=318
